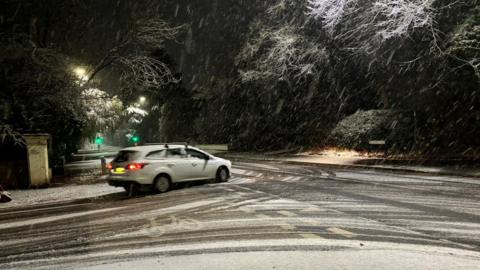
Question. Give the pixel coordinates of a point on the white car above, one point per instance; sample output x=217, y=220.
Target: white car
x=160, y=166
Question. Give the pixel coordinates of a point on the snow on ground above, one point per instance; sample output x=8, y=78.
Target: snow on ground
x=293, y=260
x=57, y=194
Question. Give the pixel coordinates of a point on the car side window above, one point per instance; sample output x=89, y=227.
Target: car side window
x=195, y=154
x=157, y=154
x=176, y=153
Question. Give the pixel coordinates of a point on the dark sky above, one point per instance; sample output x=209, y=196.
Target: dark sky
x=86, y=30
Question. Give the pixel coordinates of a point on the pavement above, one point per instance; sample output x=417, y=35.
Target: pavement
x=270, y=215
x=353, y=161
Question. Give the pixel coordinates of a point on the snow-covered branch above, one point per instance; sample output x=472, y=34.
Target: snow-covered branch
x=147, y=71
x=147, y=35
x=102, y=110
x=135, y=115
x=280, y=54
x=330, y=12
x=366, y=25
x=397, y=18
x=7, y=133
x=155, y=32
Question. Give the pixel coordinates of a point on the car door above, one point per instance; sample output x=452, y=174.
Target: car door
x=201, y=165
x=157, y=161
x=179, y=164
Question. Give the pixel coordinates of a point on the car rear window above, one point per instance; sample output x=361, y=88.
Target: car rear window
x=125, y=156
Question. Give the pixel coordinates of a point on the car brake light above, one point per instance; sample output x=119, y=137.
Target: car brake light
x=136, y=166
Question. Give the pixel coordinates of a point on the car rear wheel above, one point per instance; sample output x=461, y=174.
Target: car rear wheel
x=222, y=175
x=162, y=184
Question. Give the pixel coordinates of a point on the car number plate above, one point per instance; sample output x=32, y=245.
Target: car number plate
x=119, y=170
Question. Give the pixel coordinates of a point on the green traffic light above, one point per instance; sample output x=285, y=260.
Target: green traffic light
x=135, y=139
x=99, y=140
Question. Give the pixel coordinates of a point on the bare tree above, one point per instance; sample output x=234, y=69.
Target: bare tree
x=147, y=72
x=145, y=36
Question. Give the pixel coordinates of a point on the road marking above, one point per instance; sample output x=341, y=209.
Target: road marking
x=241, y=181
x=262, y=216
x=247, y=210
x=288, y=227
x=311, y=222
x=311, y=236
x=341, y=232
x=311, y=209
x=459, y=244
x=287, y=213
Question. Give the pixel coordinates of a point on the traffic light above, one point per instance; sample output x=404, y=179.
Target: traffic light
x=99, y=140
x=135, y=139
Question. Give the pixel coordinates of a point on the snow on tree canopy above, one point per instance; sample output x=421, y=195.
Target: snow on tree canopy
x=102, y=111
x=390, y=18
x=329, y=11
x=401, y=15
x=135, y=114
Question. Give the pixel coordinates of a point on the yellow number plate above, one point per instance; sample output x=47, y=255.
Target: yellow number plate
x=119, y=170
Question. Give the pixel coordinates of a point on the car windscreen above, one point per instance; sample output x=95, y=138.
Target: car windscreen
x=125, y=156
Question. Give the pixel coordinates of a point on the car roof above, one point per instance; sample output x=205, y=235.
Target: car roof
x=149, y=148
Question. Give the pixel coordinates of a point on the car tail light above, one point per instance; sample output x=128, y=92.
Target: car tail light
x=109, y=166
x=136, y=166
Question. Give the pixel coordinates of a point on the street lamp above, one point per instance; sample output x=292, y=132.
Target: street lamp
x=142, y=100
x=81, y=73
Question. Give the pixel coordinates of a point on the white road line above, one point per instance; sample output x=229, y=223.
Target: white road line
x=341, y=232
x=247, y=210
x=288, y=227
x=287, y=213
x=313, y=209
x=310, y=236
x=311, y=222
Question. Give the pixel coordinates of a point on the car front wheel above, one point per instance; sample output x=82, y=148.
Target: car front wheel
x=162, y=184
x=222, y=175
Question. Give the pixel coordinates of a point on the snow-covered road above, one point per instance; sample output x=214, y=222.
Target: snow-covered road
x=268, y=216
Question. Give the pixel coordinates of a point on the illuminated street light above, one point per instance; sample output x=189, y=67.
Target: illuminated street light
x=81, y=73
x=142, y=100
